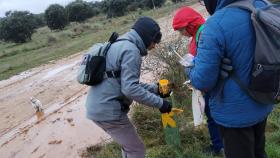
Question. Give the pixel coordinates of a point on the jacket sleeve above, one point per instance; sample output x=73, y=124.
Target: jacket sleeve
x=204, y=75
x=130, y=86
x=153, y=88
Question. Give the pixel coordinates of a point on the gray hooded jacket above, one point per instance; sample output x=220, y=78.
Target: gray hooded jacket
x=105, y=100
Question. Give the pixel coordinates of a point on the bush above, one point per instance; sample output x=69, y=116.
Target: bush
x=153, y=3
x=78, y=30
x=96, y=7
x=40, y=20
x=56, y=17
x=51, y=39
x=176, y=1
x=117, y=8
x=17, y=26
x=104, y=5
x=133, y=6
x=79, y=11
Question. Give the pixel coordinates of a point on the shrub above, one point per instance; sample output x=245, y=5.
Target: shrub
x=79, y=11
x=96, y=7
x=56, y=17
x=51, y=39
x=40, y=20
x=153, y=3
x=17, y=26
x=176, y=1
x=133, y=6
x=117, y=8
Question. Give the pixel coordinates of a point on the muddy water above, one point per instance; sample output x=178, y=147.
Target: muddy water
x=51, y=84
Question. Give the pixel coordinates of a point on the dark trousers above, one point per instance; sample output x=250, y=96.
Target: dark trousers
x=213, y=128
x=246, y=142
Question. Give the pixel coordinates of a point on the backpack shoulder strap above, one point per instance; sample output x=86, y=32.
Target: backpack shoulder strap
x=107, y=47
x=116, y=74
x=113, y=38
x=240, y=83
x=244, y=4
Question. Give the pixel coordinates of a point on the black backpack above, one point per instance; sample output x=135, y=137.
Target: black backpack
x=264, y=86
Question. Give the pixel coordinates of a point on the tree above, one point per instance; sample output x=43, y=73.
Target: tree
x=176, y=1
x=79, y=11
x=56, y=17
x=96, y=7
x=105, y=6
x=17, y=26
x=153, y=3
x=39, y=20
x=117, y=8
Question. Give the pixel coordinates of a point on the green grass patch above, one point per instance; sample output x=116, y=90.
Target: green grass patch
x=111, y=150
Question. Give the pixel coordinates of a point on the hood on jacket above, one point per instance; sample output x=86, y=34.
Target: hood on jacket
x=187, y=16
x=214, y=5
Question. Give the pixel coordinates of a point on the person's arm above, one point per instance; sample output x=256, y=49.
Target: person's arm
x=204, y=75
x=150, y=87
x=130, y=86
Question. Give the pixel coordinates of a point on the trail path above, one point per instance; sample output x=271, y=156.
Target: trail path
x=65, y=130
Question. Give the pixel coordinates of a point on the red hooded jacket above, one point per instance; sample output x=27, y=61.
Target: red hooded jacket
x=184, y=17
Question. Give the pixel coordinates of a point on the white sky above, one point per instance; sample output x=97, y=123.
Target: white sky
x=33, y=6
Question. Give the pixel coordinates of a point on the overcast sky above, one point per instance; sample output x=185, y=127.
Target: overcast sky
x=34, y=6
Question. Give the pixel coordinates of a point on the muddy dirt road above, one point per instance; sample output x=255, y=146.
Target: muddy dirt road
x=65, y=130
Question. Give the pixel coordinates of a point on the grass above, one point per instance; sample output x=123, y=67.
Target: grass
x=47, y=45
x=273, y=134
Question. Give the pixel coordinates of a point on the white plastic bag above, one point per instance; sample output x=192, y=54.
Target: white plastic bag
x=198, y=106
x=187, y=60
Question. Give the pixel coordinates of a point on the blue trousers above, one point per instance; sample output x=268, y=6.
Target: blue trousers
x=213, y=128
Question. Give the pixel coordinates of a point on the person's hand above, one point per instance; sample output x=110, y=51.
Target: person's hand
x=165, y=91
x=226, y=68
x=165, y=95
x=166, y=107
